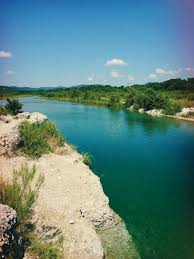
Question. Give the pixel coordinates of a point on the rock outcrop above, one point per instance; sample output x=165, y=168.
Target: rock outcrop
x=185, y=112
x=7, y=222
x=155, y=112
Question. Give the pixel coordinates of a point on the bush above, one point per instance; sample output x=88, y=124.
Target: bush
x=114, y=101
x=87, y=159
x=3, y=111
x=20, y=194
x=191, y=97
x=147, y=99
x=13, y=106
x=37, y=139
x=46, y=250
x=172, y=108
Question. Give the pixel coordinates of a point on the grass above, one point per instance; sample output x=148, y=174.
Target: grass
x=87, y=159
x=3, y=110
x=74, y=147
x=20, y=194
x=37, y=139
x=185, y=102
x=45, y=250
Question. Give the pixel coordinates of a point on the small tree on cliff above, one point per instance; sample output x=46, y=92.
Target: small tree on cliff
x=13, y=106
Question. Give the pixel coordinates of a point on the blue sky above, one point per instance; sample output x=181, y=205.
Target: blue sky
x=52, y=43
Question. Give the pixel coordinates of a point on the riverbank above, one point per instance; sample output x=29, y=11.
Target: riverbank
x=71, y=201
x=153, y=112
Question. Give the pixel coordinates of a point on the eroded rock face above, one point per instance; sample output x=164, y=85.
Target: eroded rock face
x=72, y=203
x=7, y=222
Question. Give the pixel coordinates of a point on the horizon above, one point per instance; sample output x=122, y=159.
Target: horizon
x=89, y=85
x=46, y=44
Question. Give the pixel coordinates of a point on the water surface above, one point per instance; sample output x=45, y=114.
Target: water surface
x=146, y=168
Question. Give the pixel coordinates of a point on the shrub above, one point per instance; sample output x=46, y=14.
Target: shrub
x=114, y=101
x=172, y=108
x=129, y=101
x=36, y=139
x=46, y=250
x=191, y=97
x=13, y=106
x=20, y=194
x=3, y=111
x=147, y=99
x=87, y=159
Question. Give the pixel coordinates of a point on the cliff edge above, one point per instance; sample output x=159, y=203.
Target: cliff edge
x=71, y=201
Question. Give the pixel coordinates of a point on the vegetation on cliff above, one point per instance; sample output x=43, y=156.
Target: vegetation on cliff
x=20, y=194
x=13, y=107
x=37, y=139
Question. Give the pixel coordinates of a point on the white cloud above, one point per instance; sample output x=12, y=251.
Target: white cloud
x=189, y=69
x=161, y=71
x=115, y=74
x=5, y=54
x=9, y=72
x=158, y=72
x=152, y=76
x=116, y=62
x=130, y=78
x=90, y=78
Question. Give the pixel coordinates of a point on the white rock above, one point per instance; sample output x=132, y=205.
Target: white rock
x=154, y=112
x=23, y=115
x=37, y=117
x=141, y=110
x=185, y=112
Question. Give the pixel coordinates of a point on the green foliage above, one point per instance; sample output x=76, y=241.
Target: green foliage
x=87, y=159
x=147, y=99
x=19, y=193
x=46, y=250
x=37, y=139
x=172, y=108
x=153, y=95
x=191, y=97
x=13, y=106
x=3, y=111
x=114, y=101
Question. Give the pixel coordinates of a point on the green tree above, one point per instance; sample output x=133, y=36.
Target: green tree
x=13, y=106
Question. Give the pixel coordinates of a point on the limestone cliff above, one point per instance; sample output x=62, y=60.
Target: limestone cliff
x=71, y=202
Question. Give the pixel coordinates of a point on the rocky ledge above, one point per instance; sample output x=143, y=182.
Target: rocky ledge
x=72, y=203
x=7, y=222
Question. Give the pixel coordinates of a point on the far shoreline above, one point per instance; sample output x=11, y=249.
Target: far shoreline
x=99, y=105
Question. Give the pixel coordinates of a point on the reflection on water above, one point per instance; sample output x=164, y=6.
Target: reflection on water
x=147, y=166
x=150, y=124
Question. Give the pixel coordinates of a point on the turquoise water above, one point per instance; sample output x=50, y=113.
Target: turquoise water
x=145, y=165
